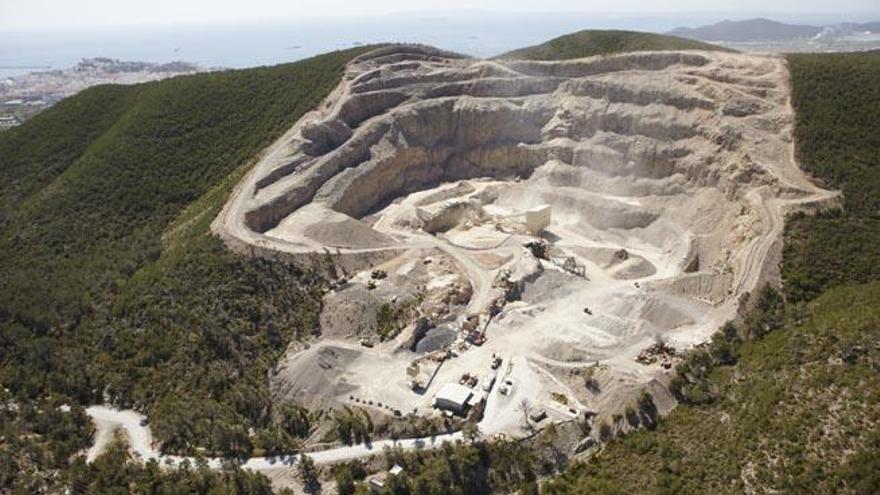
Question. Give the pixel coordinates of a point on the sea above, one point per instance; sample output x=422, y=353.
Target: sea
x=480, y=34
x=239, y=45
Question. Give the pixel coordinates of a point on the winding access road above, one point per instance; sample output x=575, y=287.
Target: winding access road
x=108, y=419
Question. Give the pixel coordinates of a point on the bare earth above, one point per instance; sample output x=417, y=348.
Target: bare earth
x=667, y=175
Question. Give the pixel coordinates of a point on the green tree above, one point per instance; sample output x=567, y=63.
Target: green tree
x=309, y=474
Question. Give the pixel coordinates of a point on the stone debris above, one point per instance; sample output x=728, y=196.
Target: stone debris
x=660, y=351
x=539, y=249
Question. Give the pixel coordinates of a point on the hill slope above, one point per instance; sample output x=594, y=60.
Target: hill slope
x=748, y=30
x=837, y=100
x=595, y=42
x=113, y=286
x=88, y=187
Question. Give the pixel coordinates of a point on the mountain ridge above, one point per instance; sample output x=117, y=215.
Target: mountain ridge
x=591, y=42
x=763, y=29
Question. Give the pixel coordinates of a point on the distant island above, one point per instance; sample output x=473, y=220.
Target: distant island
x=766, y=34
x=22, y=97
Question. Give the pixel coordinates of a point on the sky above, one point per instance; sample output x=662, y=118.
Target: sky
x=27, y=15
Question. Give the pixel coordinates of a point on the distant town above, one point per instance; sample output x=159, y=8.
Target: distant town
x=22, y=97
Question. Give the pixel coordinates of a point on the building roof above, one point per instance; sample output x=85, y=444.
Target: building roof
x=378, y=480
x=454, y=393
x=538, y=209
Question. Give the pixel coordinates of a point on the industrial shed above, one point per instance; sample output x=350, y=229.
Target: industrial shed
x=453, y=397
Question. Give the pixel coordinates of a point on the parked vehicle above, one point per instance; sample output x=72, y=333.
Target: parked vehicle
x=506, y=387
x=489, y=381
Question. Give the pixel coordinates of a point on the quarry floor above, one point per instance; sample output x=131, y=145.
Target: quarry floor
x=545, y=339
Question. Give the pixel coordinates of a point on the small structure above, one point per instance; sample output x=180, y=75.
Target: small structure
x=377, y=482
x=8, y=121
x=538, y=415
x=537, y=219
x=471, y=323
x=453, y=397
x=476, y=337
x=468, y=380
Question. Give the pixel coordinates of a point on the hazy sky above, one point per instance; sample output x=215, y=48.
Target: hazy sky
x=55, y=14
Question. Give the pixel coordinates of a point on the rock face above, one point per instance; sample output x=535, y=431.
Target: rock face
x=411, y=118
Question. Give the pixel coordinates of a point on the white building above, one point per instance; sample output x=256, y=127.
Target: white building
x=453, y=397
x=378, y=481
x=537, y=219
x=6, y=122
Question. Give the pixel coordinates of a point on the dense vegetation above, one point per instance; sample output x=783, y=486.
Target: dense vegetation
x=87, y=210
x=595, y=42
x=37, y=437
x=112, y=286
x=461, y=468
x=788, y=399
x=837, y=103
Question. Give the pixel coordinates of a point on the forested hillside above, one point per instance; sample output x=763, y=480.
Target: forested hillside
x=113, y=288
x=596, y=42
x=837, y=102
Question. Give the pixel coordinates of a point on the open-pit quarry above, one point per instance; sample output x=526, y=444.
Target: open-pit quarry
x=565, y=217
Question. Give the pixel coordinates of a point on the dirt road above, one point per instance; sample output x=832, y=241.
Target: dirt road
x=108, y=419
